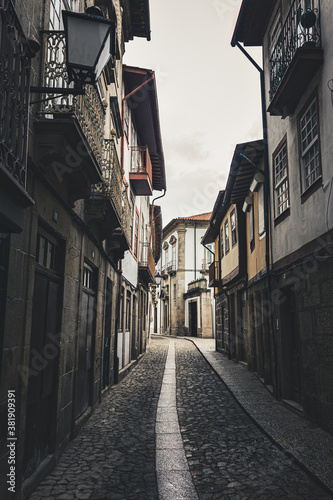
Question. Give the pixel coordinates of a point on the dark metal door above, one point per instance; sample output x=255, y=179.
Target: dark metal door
x=84, y=376
x=193, y=319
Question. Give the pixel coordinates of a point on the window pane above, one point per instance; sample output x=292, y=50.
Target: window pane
x=281, y=180
x=310, y=161
x=261, y=209
x=222, y=243
x=226, y=231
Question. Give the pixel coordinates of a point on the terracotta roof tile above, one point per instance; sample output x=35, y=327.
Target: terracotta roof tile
x=205, y=216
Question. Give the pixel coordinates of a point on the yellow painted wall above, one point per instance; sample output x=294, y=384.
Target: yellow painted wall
x=256, y=258
x=230, y=260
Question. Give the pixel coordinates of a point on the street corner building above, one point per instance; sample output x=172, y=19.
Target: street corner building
x=80, y=159
x=272, y=224
x=184, y=304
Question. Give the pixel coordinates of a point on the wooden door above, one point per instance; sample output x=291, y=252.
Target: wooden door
x=291, y=350
x=41, y=410
x=4, y=260
x=84, y=375
x=107, y=334
x=242, y=328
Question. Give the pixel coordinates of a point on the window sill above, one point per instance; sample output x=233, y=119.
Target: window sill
x=311, y=189
x=280, y=218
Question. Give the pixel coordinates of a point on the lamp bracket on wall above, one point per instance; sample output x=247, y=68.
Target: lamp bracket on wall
x=60, y=92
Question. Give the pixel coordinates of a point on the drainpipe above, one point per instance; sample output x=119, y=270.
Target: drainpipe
x=195, y=250
x=209, y=250
x=139, y=87
x=266, y=195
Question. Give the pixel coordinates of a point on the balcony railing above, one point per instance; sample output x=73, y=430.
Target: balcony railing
x=141, y=170
x=293, y=37
x=205, y=266
x=86, y=109
x=146, y=259
x=171, y=267
x=14, y=95
x=164, y=271
x=140, y=160
x=126, y=217
x=112, y=184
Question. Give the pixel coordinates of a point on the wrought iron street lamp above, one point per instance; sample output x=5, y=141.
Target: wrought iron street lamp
x=90, y=43
x=158, y=278
x=158, y=281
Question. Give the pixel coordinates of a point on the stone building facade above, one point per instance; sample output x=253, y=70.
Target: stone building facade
x=297, y=68
x=64, y=295
x=185, y=301
x=286, y=294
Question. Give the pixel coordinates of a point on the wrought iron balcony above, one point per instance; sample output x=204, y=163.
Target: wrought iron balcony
x=15, y=61
x=119, y=240
x=164, y=271
x=69, y=127
x=214, y=274
x=171, y=267
x=126, y=218
x=141, y=171
x=112, y=185
x=205, y=266
x=105, y=204
x=295, y=59
x=146, y=263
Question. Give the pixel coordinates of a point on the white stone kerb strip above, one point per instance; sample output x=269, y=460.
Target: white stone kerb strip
x=174, y=479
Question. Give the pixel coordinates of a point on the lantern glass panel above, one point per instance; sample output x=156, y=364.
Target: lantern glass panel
x=85, y=39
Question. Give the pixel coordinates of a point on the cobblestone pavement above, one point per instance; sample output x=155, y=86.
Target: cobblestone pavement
x=229, y=457
x=113, y=457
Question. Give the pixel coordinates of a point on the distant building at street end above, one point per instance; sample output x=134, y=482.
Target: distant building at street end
x=185, y=302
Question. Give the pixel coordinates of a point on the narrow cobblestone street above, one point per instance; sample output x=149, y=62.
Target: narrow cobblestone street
x=114, y=456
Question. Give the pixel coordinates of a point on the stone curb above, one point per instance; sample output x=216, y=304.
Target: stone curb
x=277, y=443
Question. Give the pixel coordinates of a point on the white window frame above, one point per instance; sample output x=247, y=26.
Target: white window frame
x=233, y=228
x=261, y=211
x=251, y=219
x=309, y=145
x=226, y=237
x=222, y=241
x=281, y=182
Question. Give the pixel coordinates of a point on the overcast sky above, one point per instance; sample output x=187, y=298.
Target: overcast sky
x=208, y=94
